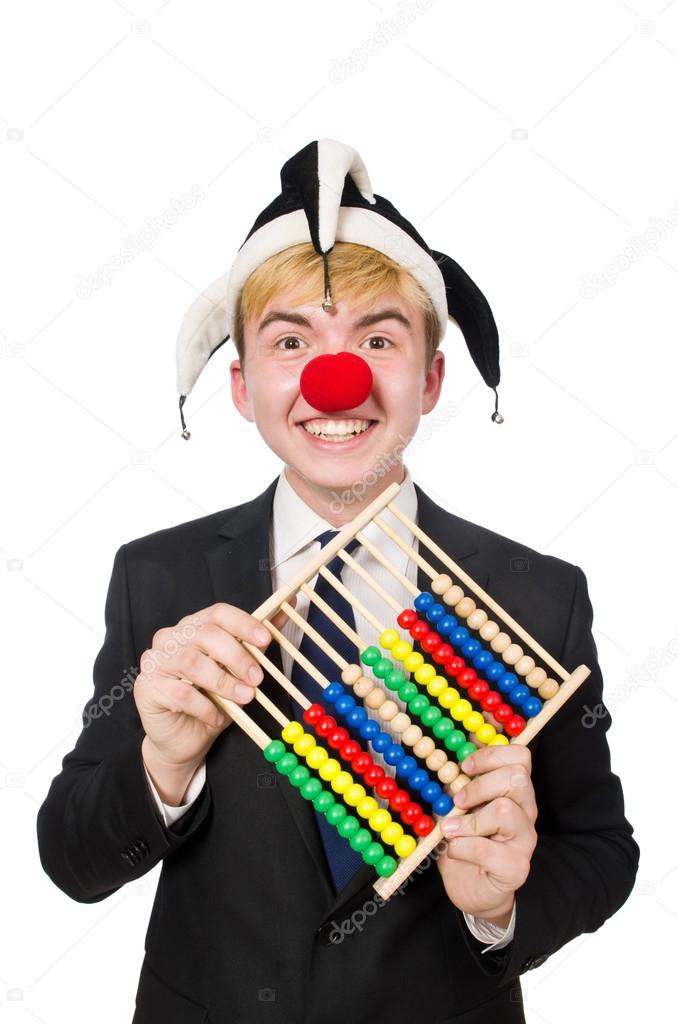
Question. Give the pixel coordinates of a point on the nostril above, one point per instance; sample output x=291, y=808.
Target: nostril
x=334, y=382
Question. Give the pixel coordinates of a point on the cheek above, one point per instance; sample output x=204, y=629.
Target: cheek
x=273, y=389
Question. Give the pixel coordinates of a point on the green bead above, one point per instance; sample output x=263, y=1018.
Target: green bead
x=286, y=763
x=323, y=801
x=382, y=668
x=386, y=866
x=348, y=826
x=360, y=840
x=395, y=679
x=465, y=750
x=419, y=704
x=373, y=854
x=370, y=656
x=442, y=728
x=407, y=691
x=431, y=715
x=455, y=739
x=275, y=750
x=336, y=813
x=311, y=789
x=299, y=775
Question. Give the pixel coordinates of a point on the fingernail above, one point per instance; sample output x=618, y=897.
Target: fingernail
x=243, y=692
x=450, y=827
x=467, y=765
x=255, y=673
x=262, y=635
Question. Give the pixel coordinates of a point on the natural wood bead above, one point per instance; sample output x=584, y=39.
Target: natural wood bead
x=453, y=596
x=400, y=722
x=477, y=619
x=424, y=747
x=436, y=760
x=524, y=665
x=464, y=607
x=548, y=689
x=448, y=772
x=388, y=710
x=412, y=735
x=536, y=677
x=512, y=654
x=363, y=687
x=489, y=630
x=351, y=674
x=500, y=642
x=375, y=699
x=441, y=583
x=459, y=783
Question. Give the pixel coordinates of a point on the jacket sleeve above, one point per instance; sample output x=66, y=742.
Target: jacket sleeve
x=98, y=826
x=585, y=862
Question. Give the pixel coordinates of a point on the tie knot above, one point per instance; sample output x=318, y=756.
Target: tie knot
x=328, y=535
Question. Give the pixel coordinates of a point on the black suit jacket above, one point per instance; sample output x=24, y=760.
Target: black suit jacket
x=246, y=926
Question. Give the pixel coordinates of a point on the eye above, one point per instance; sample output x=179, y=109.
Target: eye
x=281, y=343
x=377, y=338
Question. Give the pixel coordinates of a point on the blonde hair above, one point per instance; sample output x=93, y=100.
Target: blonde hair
x=358, y=274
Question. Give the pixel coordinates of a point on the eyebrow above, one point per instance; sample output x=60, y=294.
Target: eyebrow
x=365, y=321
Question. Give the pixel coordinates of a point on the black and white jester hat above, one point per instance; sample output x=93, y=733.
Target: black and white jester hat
x=326, y=197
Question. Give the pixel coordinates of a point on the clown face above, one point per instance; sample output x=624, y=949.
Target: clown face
x=326, y=452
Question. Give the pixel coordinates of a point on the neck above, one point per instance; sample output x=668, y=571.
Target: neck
x=339, y=505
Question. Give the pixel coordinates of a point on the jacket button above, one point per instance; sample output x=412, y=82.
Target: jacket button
x=328, y=934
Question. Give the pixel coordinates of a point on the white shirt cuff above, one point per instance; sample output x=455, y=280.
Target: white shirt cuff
x=485, y=931
x=171, y=814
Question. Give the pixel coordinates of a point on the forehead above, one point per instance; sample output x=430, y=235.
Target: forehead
x=346, y=313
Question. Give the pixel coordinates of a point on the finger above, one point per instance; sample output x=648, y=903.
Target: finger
x=501, y=818
x=512, y=781
x=498, y=859
x=486, y=758
x=230, y=653
x=181, y=697
x=202, y=670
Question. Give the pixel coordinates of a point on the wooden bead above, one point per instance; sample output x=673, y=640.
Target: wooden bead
x=351, y=674
x=441, y=583
x=449, y=772
x=536, y=677
x=375, y=699
x=477, y=619
x=388, y=710
x=548, y=689
x=436, y=760
x=512, y=654
x=412, y=735
x=459, y=783
x=363, y=687
x=464, y=607
x=524, y=665
x=489, y=630
x=400, y=722
x=453, y=596
x=500, y=642
x=424, y=747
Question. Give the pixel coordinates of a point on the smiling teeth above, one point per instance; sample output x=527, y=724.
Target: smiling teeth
x=335, y=430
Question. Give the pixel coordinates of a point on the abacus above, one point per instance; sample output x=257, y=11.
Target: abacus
x=462, y=648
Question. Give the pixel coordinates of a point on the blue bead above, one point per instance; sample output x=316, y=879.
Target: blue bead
x=356, y=717
x=381, y=742
x=394, y=754
x=519, y=694
x=333, y=692
x=345, y=703
x=507, y=681
x=423, y=601
x=435, y=613
x=471, y=648
x=406, y=767
x=418, y=779
x=459, y=635
x=443, y=805
x=369, y=729
x=447, y=624
x=532, y=707
x=495, y=670
x=431, y=791
x=483, y=660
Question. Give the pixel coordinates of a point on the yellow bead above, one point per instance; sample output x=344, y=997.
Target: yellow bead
x=460, y=708
x=499, y=740
x=425, y=674
x=486, y=733
x=367, y=807
x=448, y=697
x=413, y=661
x=354, y=794
x=341, y=782
x=392, y=832
x=401, y=650
x=329, y=768
x=405, y=846
x=380, y=819
x=292, y=732
x=316, y=757
x=388, y=638
x=436, y=686
x=304, y=744
x=473, y=721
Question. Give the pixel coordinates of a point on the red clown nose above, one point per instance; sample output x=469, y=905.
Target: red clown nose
x=333, y=382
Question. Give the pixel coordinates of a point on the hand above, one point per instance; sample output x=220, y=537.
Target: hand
x=490, y=854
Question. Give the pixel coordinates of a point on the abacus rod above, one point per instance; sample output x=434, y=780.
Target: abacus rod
x=376, y=587
x=329, y=612
x=353, y=600
x=303, y=661
x=241, y=718
x=273, y=670
x=315, y=636
x=471, y=584
x=388, y=564
x=402, y=543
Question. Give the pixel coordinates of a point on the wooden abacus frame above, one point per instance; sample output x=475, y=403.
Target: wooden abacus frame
x=554, y=695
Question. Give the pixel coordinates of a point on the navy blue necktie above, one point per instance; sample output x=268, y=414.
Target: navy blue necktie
x=342, y=860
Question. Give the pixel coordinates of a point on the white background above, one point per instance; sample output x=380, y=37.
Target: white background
x=530, y=141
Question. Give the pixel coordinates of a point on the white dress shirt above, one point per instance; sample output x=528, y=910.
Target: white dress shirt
x=292, y=543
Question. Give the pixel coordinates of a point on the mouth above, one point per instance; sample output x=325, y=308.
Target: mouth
x=340, y=432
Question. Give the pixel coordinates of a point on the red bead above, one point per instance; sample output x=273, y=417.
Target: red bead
x=361, y=763
x=454, y=665
x=419, y=629
x=514, y=725
x=442, y=653
x=478, y=689
x=423, y=825
x=350, y=750
x=411, y=813
x=407, y=618
x=399, y=799
x=503, y=713
x=326, y=725
x=374, y=775
x=430, y=642
x=386, y=787
x=314, y=713
x=466, y=677
x=337, y=738
x=490, y=701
